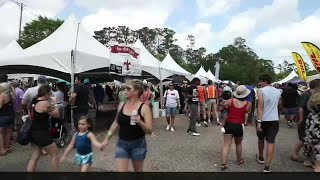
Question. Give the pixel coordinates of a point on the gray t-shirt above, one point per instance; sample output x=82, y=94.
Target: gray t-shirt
x=271, y=97
x=30, y=94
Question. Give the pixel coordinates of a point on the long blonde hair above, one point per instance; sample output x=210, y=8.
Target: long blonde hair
x=5, y=88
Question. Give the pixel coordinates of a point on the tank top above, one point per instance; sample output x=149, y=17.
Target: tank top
x=83, y=144
x=271, y=97
x=211, y=92
x=40, y=120
x=8, y=109
x=201, y=94
x=129, y=132
x=236, y=115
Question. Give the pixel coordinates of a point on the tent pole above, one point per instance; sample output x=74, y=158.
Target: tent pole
x=161, y=87
x=73, y=59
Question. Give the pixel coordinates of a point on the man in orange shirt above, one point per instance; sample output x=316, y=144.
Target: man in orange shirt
x=212, y=101
x=202, y=103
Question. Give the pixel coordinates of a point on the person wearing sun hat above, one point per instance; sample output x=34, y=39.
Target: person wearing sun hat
x=237, y=107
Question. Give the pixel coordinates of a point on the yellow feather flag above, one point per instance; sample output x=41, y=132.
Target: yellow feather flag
x=300, y=66
x=314, y=54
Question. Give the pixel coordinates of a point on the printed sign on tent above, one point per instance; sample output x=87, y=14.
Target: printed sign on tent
x=128, y=58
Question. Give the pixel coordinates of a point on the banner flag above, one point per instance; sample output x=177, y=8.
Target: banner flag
x=314, y=54
x=125, y=60
x=300, y=66
x=217, y=70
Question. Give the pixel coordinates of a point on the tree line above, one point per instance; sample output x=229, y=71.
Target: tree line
x=238, y=62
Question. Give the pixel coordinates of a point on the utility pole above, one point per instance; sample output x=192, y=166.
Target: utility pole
x=21, y=9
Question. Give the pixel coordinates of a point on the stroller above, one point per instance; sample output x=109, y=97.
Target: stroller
x=59, y=133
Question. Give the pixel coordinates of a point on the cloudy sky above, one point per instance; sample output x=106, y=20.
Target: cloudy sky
x=273, y=28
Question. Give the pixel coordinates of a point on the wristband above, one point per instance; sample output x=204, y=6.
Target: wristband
x=259, y=121
x=109, y=134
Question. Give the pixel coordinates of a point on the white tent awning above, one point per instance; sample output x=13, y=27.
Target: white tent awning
x=292, y=75
x=54, y=52
x=151, y=64
x=12, y=49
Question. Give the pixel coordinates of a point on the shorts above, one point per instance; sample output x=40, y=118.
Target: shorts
x=41, y=138
x=236, y=130
x=212, y=105
x=6, y=121
x=18, y=118
x=83, y=159
x=171, y=111
x=301, y=131
x=202, y=107
x=269, y=131
x=135, y=150
x=290, y=111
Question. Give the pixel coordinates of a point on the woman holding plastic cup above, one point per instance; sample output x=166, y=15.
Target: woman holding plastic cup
x=134, y=121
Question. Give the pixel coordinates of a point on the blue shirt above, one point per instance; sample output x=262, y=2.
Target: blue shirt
x=250, y=97
x=83, y=144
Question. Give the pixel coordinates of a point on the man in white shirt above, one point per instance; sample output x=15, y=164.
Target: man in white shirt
x=172, y=101
x=268, y=119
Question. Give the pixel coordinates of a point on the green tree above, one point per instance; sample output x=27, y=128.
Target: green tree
x=37, y=30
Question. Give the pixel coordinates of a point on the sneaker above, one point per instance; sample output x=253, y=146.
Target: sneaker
x=195, y=134
x=205, y=124
x=218, y=123
x=172, y=129
x=168, y=128
x=198, y=124
x=189, y=131
x=266, y=169
x=259, y=159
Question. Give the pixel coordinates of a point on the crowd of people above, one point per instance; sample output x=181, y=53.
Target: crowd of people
x=229, y=107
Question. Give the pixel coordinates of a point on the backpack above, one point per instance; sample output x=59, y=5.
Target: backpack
x=24, y=136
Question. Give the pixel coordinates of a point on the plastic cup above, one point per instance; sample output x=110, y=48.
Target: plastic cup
x=132, y=121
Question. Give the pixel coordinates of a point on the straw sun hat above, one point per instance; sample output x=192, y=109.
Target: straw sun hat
x=241, y=92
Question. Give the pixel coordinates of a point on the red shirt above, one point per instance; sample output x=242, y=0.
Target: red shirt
x=237, y=115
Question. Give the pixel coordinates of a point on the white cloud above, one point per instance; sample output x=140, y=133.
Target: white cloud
x=134, y=14
x=243, y=24
x=202, y=32
x=10, y=24
x=283, y=40
x=215, y=7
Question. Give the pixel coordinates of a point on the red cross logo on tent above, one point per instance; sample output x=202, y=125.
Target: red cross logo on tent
x=127, y=64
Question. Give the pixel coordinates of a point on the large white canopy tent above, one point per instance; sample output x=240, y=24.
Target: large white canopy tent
x=171, y=65
x=292, y=75
x=202, y=75
x=55, y=52
x=11, y=49
x=150, y=64
x=211, y=76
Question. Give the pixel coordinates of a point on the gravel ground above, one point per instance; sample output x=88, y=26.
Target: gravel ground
x=177, y=152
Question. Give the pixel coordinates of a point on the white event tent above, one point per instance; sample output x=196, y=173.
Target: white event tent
x=13, y=48
x=171, y=65
x=150, y=64
x=292, y=75
x=202, y=75
x=210, y=76
x=55, y=51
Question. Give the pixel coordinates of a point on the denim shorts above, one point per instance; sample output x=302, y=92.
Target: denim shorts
x=83, y=159
x=135, y=150
x=290, y=111
x=171, y=111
